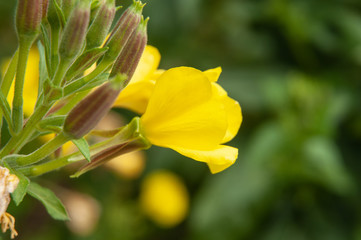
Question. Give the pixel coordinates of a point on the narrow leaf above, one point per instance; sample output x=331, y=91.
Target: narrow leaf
x=43, y=71
x=51, y=202
x=6, y=110
x=83, y=147
x=46, y=45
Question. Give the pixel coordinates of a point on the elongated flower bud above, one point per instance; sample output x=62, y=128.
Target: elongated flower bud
x=101, y=24
x=75, y=31
x=67, y=6
x=86, y=115
x=129, y=57
x=44, y=12
x=124, y=28
x=28, y=17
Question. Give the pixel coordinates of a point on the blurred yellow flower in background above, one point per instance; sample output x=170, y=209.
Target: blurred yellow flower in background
x=31, y=83
x=164, y=198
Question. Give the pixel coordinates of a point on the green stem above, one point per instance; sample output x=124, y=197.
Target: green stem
x=127, y=139
x=49, y=166
x=18, y=141
x=54, y=59
x=43, y=151
x=17, y=111
x=81, y=82
x=60, y=72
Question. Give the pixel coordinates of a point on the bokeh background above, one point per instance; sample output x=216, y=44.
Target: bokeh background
x=295, y=68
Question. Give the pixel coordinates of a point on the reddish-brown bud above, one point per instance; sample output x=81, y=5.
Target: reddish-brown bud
x=44, y=12
x=28, y=17
x=74, y=33
x=129, y=57
x=124, y=28
x=87, y=113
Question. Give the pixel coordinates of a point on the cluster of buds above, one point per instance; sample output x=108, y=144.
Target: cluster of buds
x=73, y=35
x=77, y=39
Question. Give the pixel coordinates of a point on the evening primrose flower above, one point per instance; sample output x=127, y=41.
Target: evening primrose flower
x=191, y=114
x=164, y=198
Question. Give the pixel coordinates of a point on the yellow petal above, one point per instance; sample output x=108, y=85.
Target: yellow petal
x=234, y=118
x=183, y=113
x=30, y=84
x=213, y=74
x=135, y=96
x=147, y=65
x=217, y=159
x=233, y=112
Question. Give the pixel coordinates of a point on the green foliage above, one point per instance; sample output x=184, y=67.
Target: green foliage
x=83, y=147
x=52, y=204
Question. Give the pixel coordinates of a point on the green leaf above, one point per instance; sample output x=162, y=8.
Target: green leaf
x=83, y=147
x=60, y=14
x=6, y=110
x=43, y=71
x=51, y=202
x=20, y=192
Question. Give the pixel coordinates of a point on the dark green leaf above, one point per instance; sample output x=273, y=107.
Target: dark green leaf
x=51, y=202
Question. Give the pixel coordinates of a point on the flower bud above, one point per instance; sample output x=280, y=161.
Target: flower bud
x=28, y=17
x=67, y=6
x=75, y=31
x=87, y=113
x=124, y=28
x=129, y=57
x=100, y=27
x=45, y=10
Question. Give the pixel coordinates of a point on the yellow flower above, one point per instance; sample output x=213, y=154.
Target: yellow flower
x=164, y=198
x=191, y=114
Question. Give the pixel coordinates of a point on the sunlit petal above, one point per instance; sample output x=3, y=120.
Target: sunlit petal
x=183, y=113
x=213, y=74
x=234, y=118
x=217, y=159
x=135, y=96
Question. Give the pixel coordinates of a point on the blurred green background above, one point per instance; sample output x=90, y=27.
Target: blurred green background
x=295, y=68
